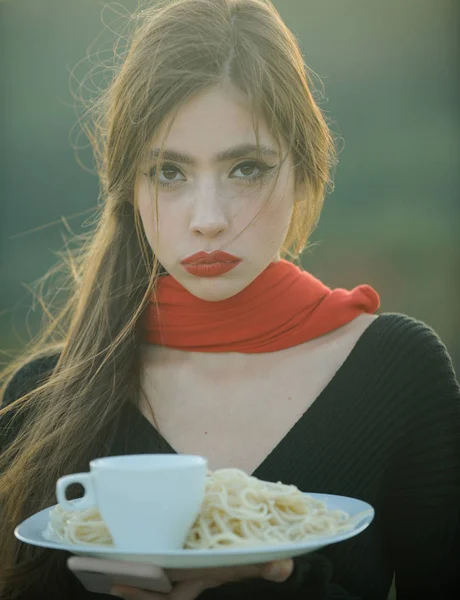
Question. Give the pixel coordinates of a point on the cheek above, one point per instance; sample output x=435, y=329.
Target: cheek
x=273, y=217
x=147, y=214
x=161, y=227
x=154, y=221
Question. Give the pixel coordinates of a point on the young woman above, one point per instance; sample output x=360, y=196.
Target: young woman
x=186, y=331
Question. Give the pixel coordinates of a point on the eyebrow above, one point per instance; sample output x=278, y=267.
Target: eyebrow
x=222, y=156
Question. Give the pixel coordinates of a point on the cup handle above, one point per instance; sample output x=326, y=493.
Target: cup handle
x=87, y=501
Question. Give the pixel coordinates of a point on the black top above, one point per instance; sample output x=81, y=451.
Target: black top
x=386, y=430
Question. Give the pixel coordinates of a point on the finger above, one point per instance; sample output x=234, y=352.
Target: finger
x=279, y=570
x=219, y=573
x=189, y=590
x=132, y=593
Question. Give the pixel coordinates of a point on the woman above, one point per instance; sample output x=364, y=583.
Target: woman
x=187, y=332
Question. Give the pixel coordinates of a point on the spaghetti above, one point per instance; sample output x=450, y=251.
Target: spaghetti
x=238, y=510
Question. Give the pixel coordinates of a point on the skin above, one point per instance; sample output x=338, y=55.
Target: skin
x=210, y=206
x=213, y=206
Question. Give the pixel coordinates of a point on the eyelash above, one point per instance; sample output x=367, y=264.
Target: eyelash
x=263, y=171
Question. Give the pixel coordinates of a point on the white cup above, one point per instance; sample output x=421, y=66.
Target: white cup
x=148, y=501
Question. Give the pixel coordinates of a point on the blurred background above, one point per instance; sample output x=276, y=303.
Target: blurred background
x=390, y=72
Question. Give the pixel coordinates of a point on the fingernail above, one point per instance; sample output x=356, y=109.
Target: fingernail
x=278, y=571
x=273, y=573
x=116, y=592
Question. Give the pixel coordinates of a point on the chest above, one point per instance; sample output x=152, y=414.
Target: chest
x=231, y=424
x=236, y=419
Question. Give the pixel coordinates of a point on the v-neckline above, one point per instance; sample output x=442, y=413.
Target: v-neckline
x=160, y=444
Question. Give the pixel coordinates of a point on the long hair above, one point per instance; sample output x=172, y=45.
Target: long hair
x=177, y=49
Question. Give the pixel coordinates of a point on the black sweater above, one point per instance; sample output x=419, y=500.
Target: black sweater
x=386, y=429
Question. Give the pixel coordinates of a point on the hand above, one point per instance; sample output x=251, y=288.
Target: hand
x=190, y=583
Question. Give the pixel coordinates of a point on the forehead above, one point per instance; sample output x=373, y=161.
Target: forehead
x=212, y=121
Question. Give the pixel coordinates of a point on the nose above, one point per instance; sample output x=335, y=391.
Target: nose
x=209, y=217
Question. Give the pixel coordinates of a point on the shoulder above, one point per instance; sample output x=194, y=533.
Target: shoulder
x=408, y=338
x=29, y=376
x=407, y=355
x=392, y=341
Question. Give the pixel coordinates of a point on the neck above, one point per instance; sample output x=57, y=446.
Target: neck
x=206, y=364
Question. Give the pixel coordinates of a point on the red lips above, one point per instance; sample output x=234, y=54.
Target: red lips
x=210, y=264
x=208, y=258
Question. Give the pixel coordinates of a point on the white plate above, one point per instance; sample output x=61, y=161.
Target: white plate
x=31, y=531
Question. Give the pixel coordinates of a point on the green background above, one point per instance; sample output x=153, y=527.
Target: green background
x=390, y=73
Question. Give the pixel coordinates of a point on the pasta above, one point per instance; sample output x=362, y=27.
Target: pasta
x=237, y=511
x=78, y=527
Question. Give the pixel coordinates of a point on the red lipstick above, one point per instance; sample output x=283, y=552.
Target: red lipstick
x=210, y=264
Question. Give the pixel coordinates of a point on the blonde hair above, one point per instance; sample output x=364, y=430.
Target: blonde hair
x=178, y=49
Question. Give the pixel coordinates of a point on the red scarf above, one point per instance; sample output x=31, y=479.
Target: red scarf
x=284, y=306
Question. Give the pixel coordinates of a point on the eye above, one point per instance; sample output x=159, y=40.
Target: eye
x=250, y=170
x=168, y=175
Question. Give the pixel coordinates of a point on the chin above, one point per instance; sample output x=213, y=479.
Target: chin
x=215, y=295
x=214, y=289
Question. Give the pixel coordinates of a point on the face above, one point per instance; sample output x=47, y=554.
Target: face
x=214, y=194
